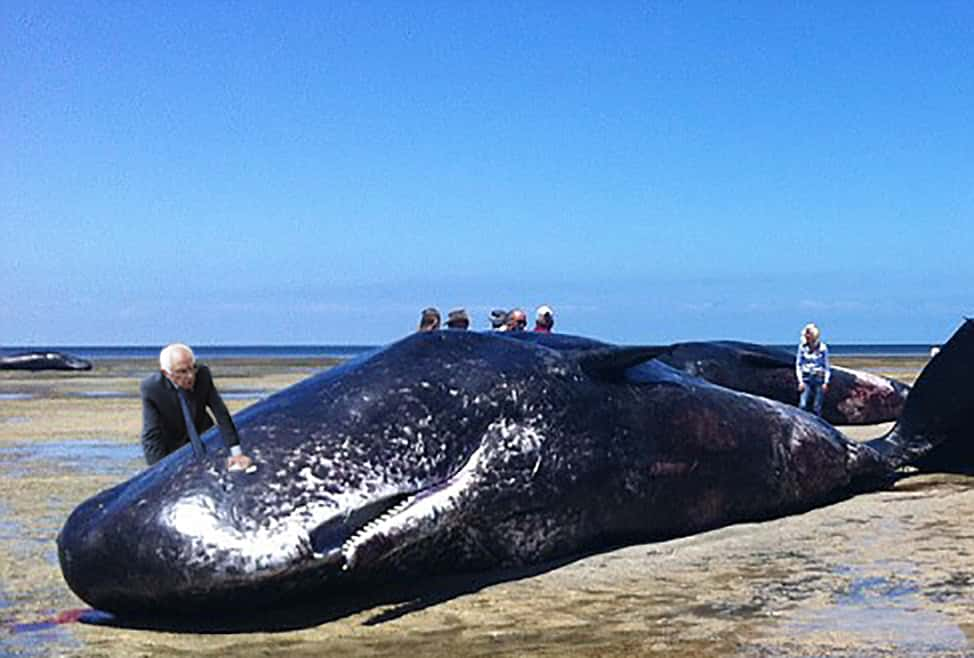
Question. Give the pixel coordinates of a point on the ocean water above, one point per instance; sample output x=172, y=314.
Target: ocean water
x=874, y=349
x=203, y=352
x=211, y=352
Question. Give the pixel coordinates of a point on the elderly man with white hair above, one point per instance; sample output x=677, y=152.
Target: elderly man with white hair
x=174, y=403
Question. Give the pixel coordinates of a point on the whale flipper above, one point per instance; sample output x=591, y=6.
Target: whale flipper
x=612, y=362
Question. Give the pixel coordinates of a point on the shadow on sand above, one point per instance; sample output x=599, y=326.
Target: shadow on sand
x=303, y=613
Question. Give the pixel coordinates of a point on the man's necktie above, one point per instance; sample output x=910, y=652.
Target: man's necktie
x=194, y=437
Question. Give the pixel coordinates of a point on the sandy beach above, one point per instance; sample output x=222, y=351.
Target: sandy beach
x=889, y=573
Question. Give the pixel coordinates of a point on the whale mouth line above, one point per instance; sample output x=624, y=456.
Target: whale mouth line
x=330, y=545
x=369, y=529
x=390, y=520
x=413, y=517
x=328, y=539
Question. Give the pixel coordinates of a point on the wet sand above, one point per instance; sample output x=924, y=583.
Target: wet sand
x=884, y=574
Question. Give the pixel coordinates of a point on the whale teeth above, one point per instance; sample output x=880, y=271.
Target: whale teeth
x=372, y=527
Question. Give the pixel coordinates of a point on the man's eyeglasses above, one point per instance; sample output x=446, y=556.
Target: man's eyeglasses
x=184, y=371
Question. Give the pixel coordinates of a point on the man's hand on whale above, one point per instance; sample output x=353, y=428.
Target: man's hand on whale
x=241, y=462
x=174, y=404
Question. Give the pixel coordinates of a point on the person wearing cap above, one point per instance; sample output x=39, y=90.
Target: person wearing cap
x=429, y=319
x=458, y=319
x=174, y=403
x=517, y=320
x=544, y=320
x=812, y=369
x=498, y=319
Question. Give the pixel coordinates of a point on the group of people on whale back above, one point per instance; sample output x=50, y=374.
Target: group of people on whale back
x=500, y=320
x=175, y=399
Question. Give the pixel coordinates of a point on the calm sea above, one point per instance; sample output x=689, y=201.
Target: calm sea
x=866, y=349
x=211, y=352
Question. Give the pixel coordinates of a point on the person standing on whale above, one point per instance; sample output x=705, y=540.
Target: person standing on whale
x=429, y=319
x=498, y=320
x=174, y=402
x=544, y=319
x=458, y=319
x=812, y=369
x=517, y=320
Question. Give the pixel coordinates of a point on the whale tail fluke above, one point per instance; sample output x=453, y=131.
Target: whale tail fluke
x=935, y=430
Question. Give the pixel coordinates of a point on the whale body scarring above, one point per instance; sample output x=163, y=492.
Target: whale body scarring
x=458, y=451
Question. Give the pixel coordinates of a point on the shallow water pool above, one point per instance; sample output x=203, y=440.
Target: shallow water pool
x=85, y=457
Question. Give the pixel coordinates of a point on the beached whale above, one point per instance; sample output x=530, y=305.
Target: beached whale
x=452, y=452
x=855, y=397
x=43, y=361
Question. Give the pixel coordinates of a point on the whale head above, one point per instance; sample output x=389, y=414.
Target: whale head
x=449, y=448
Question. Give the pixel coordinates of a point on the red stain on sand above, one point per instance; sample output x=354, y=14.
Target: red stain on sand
x=65, y=617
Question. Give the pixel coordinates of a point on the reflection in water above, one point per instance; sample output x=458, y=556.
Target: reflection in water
x=8, y=529
x=79, y=457
x=100, y=394
x=31, y=538
x=245, y=394
x=45, y=640
x=725, y=609
x=16, y=396
x=885, y=611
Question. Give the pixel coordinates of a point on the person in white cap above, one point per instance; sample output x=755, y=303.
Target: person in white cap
x=544, y=319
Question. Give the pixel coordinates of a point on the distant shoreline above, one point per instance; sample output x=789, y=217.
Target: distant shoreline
x=211, y=352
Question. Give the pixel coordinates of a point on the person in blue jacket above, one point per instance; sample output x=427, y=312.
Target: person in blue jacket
x=812, y=369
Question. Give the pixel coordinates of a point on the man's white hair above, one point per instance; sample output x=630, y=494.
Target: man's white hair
x=168, y=353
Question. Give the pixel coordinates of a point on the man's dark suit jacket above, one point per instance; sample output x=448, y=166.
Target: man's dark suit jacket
x=163, y=426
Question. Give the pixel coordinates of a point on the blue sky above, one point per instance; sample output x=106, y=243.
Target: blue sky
x=318, y=172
